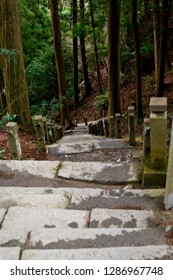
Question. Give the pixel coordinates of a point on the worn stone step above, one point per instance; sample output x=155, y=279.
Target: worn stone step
x=26, y=218
x=90, y=171
x=122, y=253
x=129, y=218
x=101, y=172
x=81, y=199
x=34, y=200
x=62, y=238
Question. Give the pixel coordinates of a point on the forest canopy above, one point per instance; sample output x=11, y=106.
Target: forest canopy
x=128, y=38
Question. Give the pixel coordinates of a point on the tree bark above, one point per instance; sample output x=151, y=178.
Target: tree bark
x=15, y=97
x=163, y=48
x=114, y=58
x=64, y=111
x=137, y=62
x=83, y=52
x=75, y=56
x=95, y=48
x=156, y=27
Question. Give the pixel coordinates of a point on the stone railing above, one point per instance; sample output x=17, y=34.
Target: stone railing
x=111, y=126
x=47, y=132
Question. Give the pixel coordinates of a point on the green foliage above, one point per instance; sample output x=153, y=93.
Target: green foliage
x=8, y=118
x=101, y=102
x=147, y=57
x=50, y=109
x=149, y=81
x=42, y=77
x=10, y=53
x=36, y=27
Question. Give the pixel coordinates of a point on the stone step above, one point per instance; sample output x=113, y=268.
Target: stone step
x=26, y=218
x=30, y=218
x=101, y=172
x=73, y=144
x=89, y=171
x=123, y=253
x=84, y=199
x=76, y=238
x=62, y=238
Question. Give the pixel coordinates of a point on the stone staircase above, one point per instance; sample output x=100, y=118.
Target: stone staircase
x=64, y=219
x=72, y=223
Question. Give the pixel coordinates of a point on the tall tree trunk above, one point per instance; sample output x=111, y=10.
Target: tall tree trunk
x=163, y=48
x=75, y=56
x=156, y=27
x=64, y=112
x=114, y=57
x=138, y=61
x=147, y=8
x=15, y=95
x=95, y=48
x=83, y=52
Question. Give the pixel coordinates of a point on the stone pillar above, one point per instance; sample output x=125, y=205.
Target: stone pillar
x=168, y=200
x=85, y=120
x=156, y=166
x=146, y=140
x=118, y=125
x=90, y=130
x=14, y=141
x=95, y=129
x=111, y=126
x=58, y=132
x=131, y=125
x=158, y=124
x=39, y=128
x=106, y=124
x=50, y=132
x=45, y=129
x=100, y=123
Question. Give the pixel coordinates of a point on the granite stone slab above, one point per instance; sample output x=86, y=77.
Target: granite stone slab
x=120, y=218
x=26, y=219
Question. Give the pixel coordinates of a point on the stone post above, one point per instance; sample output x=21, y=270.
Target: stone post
x=45, y=130
x=39, y=128
x=14, y=141
x=50, y=132
x=168, y=200
x=131, y=125
x=106, y=124
x=90, y=131
x=85, y=120
x=111, y=126
x=95, y=129
x=100, y=123
x=58, y=132
x=146, y=140
x=158, y=124
x=156, y=166
x=118, y=125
